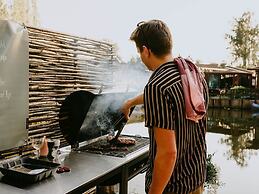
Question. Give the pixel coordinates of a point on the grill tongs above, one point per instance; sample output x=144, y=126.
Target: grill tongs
x=118, y=125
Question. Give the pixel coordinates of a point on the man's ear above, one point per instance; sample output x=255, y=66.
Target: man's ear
x=146, y=51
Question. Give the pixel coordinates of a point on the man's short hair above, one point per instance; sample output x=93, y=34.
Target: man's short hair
x=155, y=35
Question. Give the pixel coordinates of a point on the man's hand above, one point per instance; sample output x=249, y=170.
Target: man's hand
x=126, y=108
x=130, y=103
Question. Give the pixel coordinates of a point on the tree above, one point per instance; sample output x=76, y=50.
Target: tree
x=244, y=41
x=21, y=11
x=4, y=14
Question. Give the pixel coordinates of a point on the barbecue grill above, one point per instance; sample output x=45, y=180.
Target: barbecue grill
x=87, y=119
x=102, y=146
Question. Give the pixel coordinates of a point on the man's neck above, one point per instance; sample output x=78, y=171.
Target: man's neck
x=157, y=62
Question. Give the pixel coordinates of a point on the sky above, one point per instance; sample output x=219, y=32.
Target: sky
x=198, y=26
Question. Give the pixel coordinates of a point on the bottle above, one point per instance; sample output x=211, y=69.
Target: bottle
x=44, y=150
x=50, y=145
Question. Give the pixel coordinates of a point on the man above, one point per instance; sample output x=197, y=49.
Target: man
x=177, y=156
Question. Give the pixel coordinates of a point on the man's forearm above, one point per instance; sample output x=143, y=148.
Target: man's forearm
x=130, y=103
x=166, y=154
x=136, y=100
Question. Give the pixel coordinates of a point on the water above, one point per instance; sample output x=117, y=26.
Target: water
x=233, y=138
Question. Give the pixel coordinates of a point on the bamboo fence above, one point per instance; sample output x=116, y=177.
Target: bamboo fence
x=60, y=64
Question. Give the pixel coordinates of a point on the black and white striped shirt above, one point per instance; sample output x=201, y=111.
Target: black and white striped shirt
x=165, y=108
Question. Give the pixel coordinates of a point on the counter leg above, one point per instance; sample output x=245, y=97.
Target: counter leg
x=124, y=180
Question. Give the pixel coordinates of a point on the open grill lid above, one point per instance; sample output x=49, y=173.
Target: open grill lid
x=84, y=115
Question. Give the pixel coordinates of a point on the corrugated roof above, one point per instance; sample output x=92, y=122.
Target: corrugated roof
x=215, y=68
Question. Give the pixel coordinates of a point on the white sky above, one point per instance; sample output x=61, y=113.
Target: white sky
x=198, y=26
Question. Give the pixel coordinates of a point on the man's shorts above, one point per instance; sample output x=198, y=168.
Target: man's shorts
x=199, y=190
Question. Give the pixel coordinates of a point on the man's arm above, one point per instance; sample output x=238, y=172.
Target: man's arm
x=130, y=103
x=165, y=158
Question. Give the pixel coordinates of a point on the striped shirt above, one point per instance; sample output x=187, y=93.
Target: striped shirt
x=165, y=108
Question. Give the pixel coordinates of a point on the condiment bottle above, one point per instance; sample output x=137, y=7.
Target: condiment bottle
x=44, y=150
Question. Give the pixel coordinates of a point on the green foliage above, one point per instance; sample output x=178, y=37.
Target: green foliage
x=237, y=92
x=21, y=11
x=3, y=10
x=244, y=40
x=212, y=179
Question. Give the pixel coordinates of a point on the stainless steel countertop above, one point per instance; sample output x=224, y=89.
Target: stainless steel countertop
x=85, y=167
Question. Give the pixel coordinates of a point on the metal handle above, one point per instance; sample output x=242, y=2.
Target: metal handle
x=120, y=129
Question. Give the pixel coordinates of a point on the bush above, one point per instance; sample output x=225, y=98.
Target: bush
x=238, y=92
x=212, y=177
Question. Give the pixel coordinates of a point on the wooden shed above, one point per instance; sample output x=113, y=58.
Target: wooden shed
x=225, y=77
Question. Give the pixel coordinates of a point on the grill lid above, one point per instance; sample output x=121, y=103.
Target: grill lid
x=84, y=115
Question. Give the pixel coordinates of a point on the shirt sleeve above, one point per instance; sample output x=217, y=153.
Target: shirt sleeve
x=159, y=111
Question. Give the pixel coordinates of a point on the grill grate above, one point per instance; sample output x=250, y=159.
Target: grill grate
x=102, y=146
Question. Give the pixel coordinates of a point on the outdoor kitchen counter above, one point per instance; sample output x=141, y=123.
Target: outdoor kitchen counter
x=87, y=170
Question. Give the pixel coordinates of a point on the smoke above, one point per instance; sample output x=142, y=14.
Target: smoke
x=103, y=113
x=124, y=82
x=109, y=77
x=129, y=77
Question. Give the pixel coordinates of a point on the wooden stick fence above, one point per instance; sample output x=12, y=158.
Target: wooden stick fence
x=58, y=65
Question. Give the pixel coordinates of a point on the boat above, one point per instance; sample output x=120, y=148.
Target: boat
x=255, y=106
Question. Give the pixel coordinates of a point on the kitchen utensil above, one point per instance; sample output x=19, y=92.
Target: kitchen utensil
x=118, y=125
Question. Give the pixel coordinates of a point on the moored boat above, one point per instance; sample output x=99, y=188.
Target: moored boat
x=255, y=106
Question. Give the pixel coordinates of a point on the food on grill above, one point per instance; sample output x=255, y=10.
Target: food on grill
x=126, y=140
x=122, y=140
